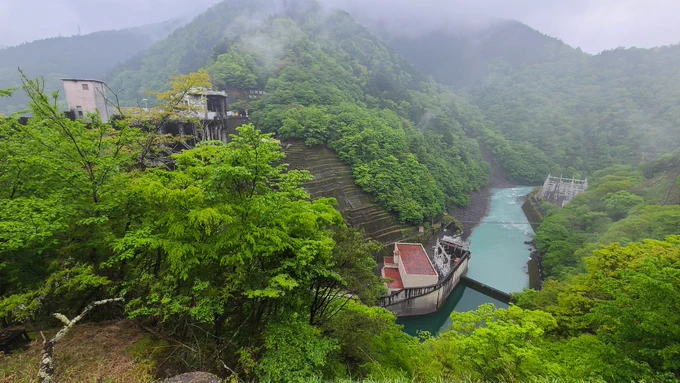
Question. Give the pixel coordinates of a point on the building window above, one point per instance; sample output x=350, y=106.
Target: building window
x=86, y=87
x=79, y=109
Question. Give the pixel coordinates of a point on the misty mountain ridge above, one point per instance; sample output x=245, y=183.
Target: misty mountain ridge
x=530, y=87
x=460, y=56
x=80, y=56
x=562, y=105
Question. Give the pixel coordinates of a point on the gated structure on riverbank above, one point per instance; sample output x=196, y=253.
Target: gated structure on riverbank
x=561, y=191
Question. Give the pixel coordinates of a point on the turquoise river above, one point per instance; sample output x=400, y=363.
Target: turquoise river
x=499, y=259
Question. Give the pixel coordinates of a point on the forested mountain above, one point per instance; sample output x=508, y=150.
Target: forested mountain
x=86, y=56
x=460, y=56
x=232, y=266
x=188, y=48
x=622, y=205
x=583, y=112
x=329, y=81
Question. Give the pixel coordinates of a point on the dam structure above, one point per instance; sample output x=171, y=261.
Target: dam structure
x=421, y=281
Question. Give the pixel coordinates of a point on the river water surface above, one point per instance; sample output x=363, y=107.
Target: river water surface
x=499, y=259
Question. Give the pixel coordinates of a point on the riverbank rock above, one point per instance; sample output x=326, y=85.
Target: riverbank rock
x=194, y=377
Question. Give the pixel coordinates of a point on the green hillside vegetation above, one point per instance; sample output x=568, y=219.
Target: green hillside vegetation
x=88, y=56
x=329, y=81
x=581, y=112
x=470, y=50
x=221, y=252
x=620, y=206
x=225, y=253
x=188, y=48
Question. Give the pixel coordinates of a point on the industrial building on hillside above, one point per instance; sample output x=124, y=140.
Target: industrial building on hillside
x=86, y=96
x=212, y=103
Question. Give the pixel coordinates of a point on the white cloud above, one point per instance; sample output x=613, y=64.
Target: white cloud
x=48, y=18
x=593, y=25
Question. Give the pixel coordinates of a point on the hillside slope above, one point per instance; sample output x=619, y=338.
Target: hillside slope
x=86, y=56
x=461, y=56
x=582, y=112
x=333, y=179
x=189, y=47
x=328, y=81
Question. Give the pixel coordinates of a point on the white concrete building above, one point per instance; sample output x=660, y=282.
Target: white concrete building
x=86, y=96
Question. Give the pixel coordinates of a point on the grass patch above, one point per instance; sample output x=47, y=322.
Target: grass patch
x=109, y=352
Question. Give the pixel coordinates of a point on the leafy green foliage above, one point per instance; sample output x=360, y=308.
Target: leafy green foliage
x=625, y=298
x=224, y=240
x=294, y=352
x=368, y=121
x=618, y=204
x=222, y=249
x=233, y=70
x=490, y=344
x=608, y=212
x=59, y=191
x=328, y=81
x=372, y=344
x=233, y=233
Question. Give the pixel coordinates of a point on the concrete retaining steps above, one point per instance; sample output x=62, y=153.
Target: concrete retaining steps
x=333, y=178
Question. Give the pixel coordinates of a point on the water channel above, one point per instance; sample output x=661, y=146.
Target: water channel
x=499, y=259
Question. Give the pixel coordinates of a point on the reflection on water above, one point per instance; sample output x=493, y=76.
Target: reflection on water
x=499, y=258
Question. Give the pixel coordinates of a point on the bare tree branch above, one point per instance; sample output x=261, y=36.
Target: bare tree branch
x=46, y=373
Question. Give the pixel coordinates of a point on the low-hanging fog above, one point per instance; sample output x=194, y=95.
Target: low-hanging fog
x=593, y=25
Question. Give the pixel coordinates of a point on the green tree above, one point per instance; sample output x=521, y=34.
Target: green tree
x=233, y=70
x=349, y=276
x=640, y=318
x=294, y=352
x=60, y=199
x=618, y=204
x=494, y=344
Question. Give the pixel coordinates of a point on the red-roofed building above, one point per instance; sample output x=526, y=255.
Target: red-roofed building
x=393, y=273
x=409, y=267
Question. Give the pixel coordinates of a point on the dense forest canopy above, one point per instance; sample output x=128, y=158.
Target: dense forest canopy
x=225, y=251
x=86, y=56
x=402, y=127
x=219, y=249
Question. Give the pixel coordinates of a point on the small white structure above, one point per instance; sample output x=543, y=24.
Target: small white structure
x=86, y=96
x=409, y=267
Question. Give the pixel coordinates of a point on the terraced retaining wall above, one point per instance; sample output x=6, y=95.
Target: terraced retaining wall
x=333, y=178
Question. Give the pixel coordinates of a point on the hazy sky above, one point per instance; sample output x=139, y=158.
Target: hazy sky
x=593, y=25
